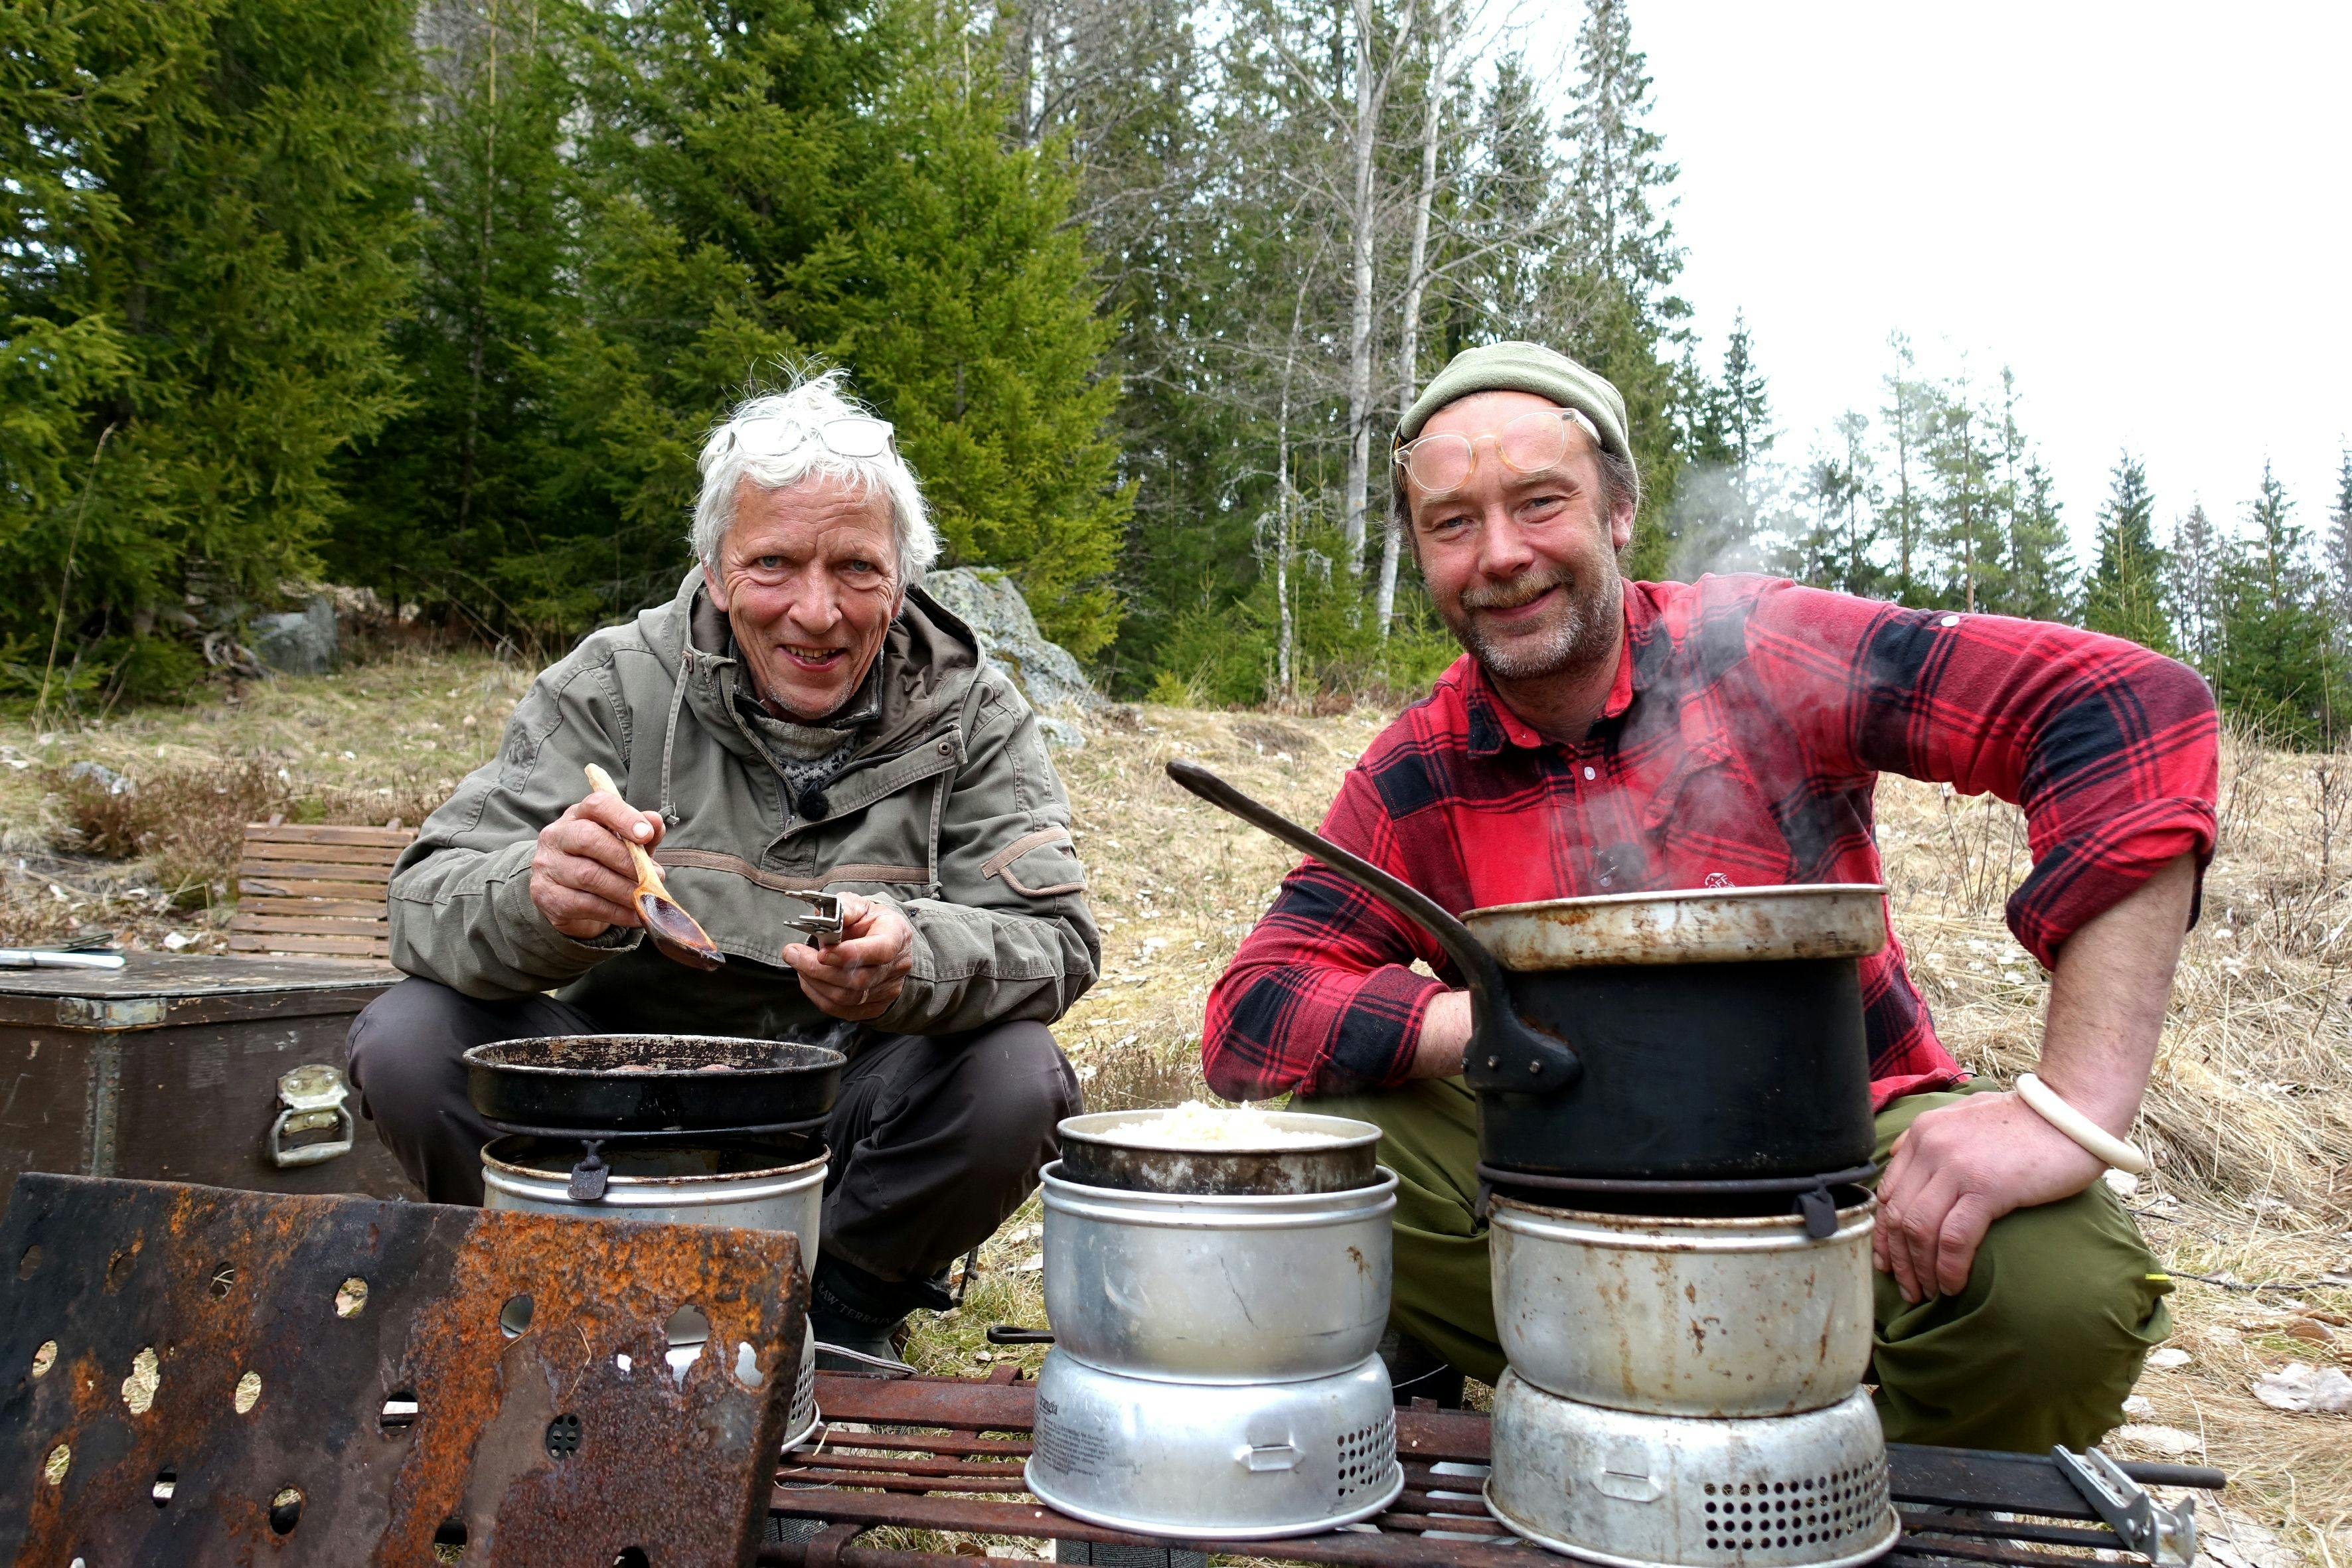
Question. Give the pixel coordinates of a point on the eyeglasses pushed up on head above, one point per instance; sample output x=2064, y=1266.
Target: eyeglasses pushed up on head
x=848, y=435
x=1527, y=444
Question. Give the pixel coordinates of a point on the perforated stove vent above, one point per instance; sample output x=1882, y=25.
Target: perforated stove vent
x=1838, y=1509
x=803, y=1409
x=1367, y=1457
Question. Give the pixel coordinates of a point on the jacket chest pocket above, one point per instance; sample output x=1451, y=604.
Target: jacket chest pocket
x=884, y=848
x=1708, y=826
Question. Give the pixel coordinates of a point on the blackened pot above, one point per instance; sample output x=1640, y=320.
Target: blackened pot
x=1702, y=1035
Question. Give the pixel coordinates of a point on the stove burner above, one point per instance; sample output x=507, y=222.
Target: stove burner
x=1813, y=1195
x=591, y=1174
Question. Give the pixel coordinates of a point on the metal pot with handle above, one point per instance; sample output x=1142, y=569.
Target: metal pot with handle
x=1705, y=1035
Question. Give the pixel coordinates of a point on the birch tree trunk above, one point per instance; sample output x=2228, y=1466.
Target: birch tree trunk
x=1363, y=224
x=1416, y=281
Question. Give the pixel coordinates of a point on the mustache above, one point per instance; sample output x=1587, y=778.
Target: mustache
x=1523, y=589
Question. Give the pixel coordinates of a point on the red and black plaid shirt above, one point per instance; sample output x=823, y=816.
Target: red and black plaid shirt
x=1740, y=745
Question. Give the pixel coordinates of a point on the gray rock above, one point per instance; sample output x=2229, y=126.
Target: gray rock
x=1047, y=674
x=300, y=642
x=106, y=778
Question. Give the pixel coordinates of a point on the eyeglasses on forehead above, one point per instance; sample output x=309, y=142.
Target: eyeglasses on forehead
x=1526, y=444
x=845, y=435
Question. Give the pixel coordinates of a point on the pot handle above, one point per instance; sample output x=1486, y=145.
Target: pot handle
x=1504, y=1053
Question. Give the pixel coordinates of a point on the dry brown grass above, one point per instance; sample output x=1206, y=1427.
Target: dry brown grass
x=2249, y=1118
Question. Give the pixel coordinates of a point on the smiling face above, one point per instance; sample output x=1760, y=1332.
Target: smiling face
x=808, y=577
x=1522, y=567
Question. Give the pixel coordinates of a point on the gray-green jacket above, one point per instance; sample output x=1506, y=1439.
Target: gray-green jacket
x=950, y=808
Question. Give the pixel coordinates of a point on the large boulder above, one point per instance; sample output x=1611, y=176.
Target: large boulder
x=1047, y=674
x=300, y=642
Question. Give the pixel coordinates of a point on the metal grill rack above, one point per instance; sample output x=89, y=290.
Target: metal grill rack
x=945, y=1454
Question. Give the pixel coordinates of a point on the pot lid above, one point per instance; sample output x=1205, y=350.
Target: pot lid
x=1690, y=925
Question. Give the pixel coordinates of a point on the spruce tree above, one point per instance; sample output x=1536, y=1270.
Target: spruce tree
x=210, y=202
x=1904, y=417
x=2339, y=553
x=2203, y=559
x=1963, y=504
x=459, y=481
x=2125, y=594
x=2278, y=663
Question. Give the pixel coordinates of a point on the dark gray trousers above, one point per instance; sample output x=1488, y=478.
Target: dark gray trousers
x=934, y=1139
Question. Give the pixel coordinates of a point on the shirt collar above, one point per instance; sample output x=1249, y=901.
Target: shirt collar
x=1493, y=725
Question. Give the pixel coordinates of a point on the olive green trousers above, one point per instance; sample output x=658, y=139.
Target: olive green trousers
x=2061, y=1305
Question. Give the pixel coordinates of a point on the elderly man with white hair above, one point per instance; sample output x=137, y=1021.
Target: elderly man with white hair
x=801, y=718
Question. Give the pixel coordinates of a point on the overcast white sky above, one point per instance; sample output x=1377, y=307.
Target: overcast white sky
x=2146, y=210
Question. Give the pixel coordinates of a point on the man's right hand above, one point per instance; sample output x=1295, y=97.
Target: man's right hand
x=581, y=876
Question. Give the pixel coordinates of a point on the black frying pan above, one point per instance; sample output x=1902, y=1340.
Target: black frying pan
x=645, y=1083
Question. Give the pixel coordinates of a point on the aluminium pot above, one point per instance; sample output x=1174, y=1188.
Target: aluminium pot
x=1702, y=1035
x=1232, y=1289
x=1670, y=1315
x=1116, y=1149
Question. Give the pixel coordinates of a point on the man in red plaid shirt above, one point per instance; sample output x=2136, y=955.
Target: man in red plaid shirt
x=1606, y=736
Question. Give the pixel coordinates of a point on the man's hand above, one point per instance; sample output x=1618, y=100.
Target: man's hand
x=581, y=876
x=1955, y=1171
x=860, y=976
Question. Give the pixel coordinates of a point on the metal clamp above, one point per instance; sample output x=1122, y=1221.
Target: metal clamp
x=312, y=1096
x=2166, y=1536
x=822, y=924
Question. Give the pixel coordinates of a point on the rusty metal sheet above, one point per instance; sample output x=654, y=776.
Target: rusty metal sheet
x=193, y=1377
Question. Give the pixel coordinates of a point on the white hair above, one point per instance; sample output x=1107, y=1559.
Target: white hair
x=727, y=462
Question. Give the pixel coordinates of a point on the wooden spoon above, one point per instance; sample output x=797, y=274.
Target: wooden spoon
x=676, y=933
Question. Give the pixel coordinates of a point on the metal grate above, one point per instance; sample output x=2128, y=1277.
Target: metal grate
x=945, y=1455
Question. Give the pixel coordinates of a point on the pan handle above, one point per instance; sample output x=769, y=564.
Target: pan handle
x=1504, y=1053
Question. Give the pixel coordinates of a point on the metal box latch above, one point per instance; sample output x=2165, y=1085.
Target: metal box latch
x=310, y=1099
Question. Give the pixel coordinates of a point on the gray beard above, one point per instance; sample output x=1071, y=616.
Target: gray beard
x=1577, y=642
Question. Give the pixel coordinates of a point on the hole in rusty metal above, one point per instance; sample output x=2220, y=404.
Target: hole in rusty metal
x=118, y=1269
x=45, y=1357
x=146, y=1377
x=514, y=1318
x=350, y=1297
x=451, y=1538
x=747, y=1367
x=30, y=1264
x=285, y=1509
x=688, y=1332
x=167, y=1481
x=564, y=1436
x=249, y=1393
x=399, y=1412
x=224, y=1276
x=53, y=1468
x=623, y=1361
x=633, y=1557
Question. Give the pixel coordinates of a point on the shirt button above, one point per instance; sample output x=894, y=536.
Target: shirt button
x=1588, y=771
x=1948, y=622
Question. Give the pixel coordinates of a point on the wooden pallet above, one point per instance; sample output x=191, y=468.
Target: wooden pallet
x=945, y=1454
x=315, y=892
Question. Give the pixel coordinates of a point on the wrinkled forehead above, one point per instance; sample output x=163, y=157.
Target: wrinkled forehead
x=818, y=512
x=1484, y=412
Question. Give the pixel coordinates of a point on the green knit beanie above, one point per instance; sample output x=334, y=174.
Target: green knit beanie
x=1523, y=367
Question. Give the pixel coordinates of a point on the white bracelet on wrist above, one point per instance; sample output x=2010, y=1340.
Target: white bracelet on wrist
x=2103, y=1144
